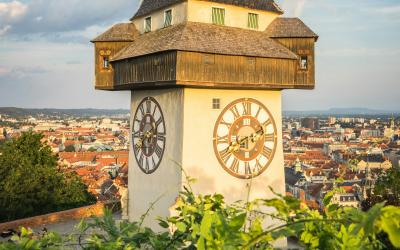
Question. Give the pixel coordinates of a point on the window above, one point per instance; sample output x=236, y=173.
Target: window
x=106, y=62
x=167, y=18
x=216, y=103
x=253, y=21
x=304, y=62
x=147, y=24
x=208, y=59
x=218, y=16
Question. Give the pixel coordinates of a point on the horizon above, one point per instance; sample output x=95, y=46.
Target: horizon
x=334, y=109
x=357, y=53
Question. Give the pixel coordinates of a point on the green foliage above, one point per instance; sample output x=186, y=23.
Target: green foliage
x=30, y=183
x=207, y=222
x=70, y=148
x=92, y=149
x=388, y=185
x=387, y=190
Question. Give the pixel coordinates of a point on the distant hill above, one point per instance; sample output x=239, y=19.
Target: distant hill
x=22, y=112
x=342, y=112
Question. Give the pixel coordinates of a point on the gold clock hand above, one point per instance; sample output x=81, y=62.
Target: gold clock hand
x=139, y=144
x=235, y=145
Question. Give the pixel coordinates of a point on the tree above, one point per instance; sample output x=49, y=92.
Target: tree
x=387, y=189
x=30, y=183
x=70, y=148
x=92, y=149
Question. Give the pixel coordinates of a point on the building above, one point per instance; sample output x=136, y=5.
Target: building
x=310, y=123
x=206, y=80
x=346, y=200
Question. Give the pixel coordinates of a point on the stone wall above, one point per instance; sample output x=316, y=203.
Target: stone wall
x=38, y=221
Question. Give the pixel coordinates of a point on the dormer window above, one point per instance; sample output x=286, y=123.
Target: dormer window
x=147, y=24
x=218, y=16
x=303, y=62
x=168, y=18
x=252, y=21
x=106, y=62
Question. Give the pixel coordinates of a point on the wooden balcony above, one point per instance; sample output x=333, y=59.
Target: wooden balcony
x=203, y=70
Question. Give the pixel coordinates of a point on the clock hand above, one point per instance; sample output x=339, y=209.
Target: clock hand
x=139, y=144
x=235, y=145
x=145, y=136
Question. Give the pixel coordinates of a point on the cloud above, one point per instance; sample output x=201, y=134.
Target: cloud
x=52, y=16
x=12, y=10
x=389, y=10
x=3, y=71
x=4, y=30
x=294, y=8
x=21, y=72
x=357, y=52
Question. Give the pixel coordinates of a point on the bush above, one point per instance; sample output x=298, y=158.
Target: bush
x=206, y=222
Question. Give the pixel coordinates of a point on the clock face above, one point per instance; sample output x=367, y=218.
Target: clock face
x=245, y=138
x=148, y=135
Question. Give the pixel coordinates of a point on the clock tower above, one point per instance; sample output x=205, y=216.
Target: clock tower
x=206, y=81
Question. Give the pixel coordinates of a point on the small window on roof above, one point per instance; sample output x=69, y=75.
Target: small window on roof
x=253, y=21
x=106, y=62
x=218, y=16
x=168, y=18
x=147, y=24
x=304, y=62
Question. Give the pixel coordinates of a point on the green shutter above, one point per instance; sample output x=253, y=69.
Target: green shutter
x=253, y=21
x=218, y=16
x=168, y=18
x=147, y=27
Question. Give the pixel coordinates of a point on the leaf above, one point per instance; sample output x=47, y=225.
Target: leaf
x=237, y=222
x=201, y=244
x=163, y=224
x=391, y=224
x=371, y=217
x=181, y=226
x=82, y=226
x=205, y=225
x=327, y=199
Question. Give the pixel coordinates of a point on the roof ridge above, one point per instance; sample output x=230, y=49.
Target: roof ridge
x=149, y=6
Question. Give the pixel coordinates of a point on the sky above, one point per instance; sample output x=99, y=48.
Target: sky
x=46, y=59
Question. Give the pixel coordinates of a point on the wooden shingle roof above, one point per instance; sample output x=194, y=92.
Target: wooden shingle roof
x=206, y=38
x=149, y=6
x=122, y=32
x=283, y=27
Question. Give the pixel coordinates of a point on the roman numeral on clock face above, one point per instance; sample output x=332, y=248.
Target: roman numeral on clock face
x=267, y=123
x=235, y=166
x=158, y=150
x=161, y=137
x=235, y=112
x=269, y=137
x=159, y=121
x=225, y=155
x=247, y=168
x=141, y=108
x=267, y=152
x=246, y=108
x=223, y=139
x=258, y=167
x=136, y=134
x=229, y=125
x=148, y=107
